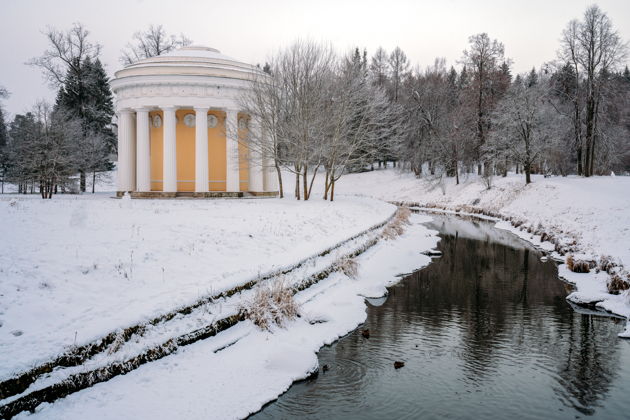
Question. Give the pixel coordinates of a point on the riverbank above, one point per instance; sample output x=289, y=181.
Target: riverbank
x=589, y=218
x=239, y=370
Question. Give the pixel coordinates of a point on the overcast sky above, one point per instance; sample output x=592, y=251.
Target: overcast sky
x=251, y=30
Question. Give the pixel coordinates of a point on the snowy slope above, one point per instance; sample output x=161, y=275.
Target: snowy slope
x=208, y=380
x=77, y=267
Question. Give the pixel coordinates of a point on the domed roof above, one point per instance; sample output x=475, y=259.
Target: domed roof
x=190, y=60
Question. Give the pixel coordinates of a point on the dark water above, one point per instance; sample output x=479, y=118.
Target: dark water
x=484, y=332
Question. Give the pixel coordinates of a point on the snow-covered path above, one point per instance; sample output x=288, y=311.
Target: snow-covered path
x=77, y=267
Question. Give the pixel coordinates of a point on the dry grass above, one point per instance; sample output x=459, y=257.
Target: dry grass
x=347, y=266
x=273, y=304
x=606, y=263
x=397, y=226
x=616, y=284
x=578, y=266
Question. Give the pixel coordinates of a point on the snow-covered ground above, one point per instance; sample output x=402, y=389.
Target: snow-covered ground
x=210, y=380
x=594, y=213
x=75, y=268
x=86, y=265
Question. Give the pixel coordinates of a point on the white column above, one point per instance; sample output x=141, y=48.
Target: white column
x=256, y=182
x=270, y=175
x=122, y=153
x=201, y=150
x=231, y=152
x=170, y=151
x=143, y=151
x=126, y=152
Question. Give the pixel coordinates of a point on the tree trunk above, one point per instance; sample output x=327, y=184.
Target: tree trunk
x=332, y=189
x=456, y=174
x=280, y=188
x=528, y=178
x=305, y=179
x=82, y=180
x=297, y=185
x=326, y=186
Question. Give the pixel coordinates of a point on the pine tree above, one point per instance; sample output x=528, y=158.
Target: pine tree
x=86, y=95
x=3, y=150
x=532, y=78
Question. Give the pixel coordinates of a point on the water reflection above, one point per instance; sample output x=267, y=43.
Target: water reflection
x=484, y=331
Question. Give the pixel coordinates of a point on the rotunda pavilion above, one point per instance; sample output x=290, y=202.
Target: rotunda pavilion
x=181, y=131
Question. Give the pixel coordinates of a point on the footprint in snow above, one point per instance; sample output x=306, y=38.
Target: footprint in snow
x=17, y=333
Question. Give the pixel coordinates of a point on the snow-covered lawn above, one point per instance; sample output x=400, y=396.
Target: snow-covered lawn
x=77, y=267
x=596, y=211
x=209, y=380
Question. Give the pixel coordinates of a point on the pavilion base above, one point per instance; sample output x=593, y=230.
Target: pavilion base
x=190, y=194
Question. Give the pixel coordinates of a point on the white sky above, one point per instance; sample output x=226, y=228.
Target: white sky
x=250, y=30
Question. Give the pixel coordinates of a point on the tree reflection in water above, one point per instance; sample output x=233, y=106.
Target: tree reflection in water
x=484, y=331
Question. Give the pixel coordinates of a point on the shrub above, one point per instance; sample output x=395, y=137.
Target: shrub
x=617, y=285
x=606, y=263
x=577, y=266
x=273, y=303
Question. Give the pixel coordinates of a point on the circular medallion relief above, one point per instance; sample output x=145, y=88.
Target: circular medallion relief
x=242, y=123
x=189, y=120
x=157, y=121
x=212, y=121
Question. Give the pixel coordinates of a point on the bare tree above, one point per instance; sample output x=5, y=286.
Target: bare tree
x=358, y=115
x=66, y=54
x=524, y=124
x=594, y=49
x=265, y=103
x=484, y=57
x=399, y=67
x=379, y=67
x=151, y=43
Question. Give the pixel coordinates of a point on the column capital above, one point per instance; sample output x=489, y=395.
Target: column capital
x=202, y=108
x=126, y=111
x=169, y=108
x=143, y=109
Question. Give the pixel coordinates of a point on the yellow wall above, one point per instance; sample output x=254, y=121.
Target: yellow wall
x=156, y=152
x=216, y=153
x=186, y=154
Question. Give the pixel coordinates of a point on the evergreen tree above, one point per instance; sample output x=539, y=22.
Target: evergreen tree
x=3, y=150
x=86, y=95
x=532, y=78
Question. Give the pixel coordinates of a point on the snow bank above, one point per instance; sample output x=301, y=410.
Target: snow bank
x=77, y=267
x=589, y=215
x=209, y=380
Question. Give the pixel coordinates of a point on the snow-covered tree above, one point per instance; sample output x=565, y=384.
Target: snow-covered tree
x=483, y=58
x=594, y=49
x=523, y=124
x=3, y=140
x=398, y=70
x=379, y=67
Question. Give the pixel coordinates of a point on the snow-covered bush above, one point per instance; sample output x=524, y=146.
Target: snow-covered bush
x=577, y=266
x=616, y=284
x=273, y=303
